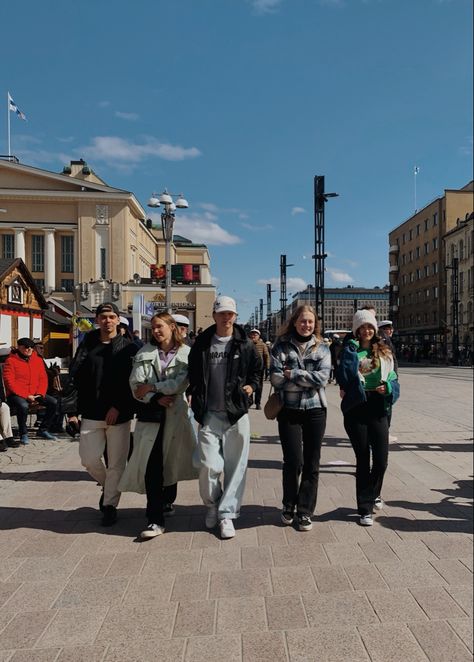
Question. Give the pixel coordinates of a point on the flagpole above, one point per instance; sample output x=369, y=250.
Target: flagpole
x=8, y=122
x=415, y=172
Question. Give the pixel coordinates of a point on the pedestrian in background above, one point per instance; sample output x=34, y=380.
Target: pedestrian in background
x=164, y=440
x=299, y=371
x=224, y=369
x=264, y=354
x=369, y=388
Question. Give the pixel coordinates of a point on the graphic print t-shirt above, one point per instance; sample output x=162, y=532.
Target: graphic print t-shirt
x=218, y=356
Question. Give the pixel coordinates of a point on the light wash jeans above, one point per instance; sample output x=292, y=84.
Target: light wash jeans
x=223, y=449
x=94, y=436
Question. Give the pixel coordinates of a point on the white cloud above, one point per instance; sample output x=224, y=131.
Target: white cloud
x=265, y=6
x=339, y=276
x=210, y=206
x=121, y=152
x=202, y=229
x=215, y=281
x=466, y=149
x=256, y=228
x=66, y=139
x=103, y=104
x=294, y=284
x=131, y=117
x=298, y=210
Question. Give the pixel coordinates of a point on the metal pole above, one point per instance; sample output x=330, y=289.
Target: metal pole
x=167, y=222
x=261, y=311
x=455, y=307
x=282, y=288
x=269, y=308
x=319, y=254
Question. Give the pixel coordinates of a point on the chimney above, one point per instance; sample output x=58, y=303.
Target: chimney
x=78, y=169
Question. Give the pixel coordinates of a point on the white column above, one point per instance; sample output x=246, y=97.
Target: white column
x=76, y=256
x=49, y=261
x=20, y=243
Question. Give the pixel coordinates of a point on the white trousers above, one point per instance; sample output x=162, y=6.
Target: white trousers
x=95, y=435
x=223, y=449
x=5, y=422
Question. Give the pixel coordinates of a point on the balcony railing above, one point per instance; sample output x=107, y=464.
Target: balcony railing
x=394, y=248
x=393, y=269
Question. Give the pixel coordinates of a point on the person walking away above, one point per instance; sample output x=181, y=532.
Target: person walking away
x=264, y=354
x=224, y=369
x=369, y=388
x=164, y=440
x=335, y=349
x=299, y=371
x=26, y=383
x=100, y=372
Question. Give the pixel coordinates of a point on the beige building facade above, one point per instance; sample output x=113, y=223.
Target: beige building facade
x=85, y=242
x=418, y=293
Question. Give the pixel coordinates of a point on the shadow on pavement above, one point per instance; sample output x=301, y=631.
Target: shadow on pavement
x=47, y=475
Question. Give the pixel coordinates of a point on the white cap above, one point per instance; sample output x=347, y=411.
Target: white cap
x=182, y=320
x=224, y=304
x=255, y=331
x=123, y=320
x=335, y=335
x=363, y=317
x=385, y=323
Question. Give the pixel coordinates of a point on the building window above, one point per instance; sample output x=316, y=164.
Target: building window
x=103, y=263
x=435, y=219
x=426, y=318
x=427, y=248
x=37, y=252
x=67, y=284
x=427, y=293
x=418, y=274
x=411, y=256
x=404, y=259
x=461, y=314
x=8, y=246
x=418, y=230
x=410, y=235
x=417, y=252
x=435, y=315
x=404, y=279
x=39, y=282
x=67, y=254
x=435, y=244
x=461, y=250
x=435, y=267
x=469, y=312
x=427, y=224
x=461, y=282
x=412, y=277
x=427, y=270
x=435, y=292
x=403, y=238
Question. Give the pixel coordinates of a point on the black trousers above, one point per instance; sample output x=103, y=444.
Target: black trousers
x=22, y=408
x=157, y=495
x=301, y=434
x=258, y=390
x=367, y=428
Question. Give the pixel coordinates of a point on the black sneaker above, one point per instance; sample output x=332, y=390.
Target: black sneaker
x=287, y=517
x=304, y=523
x=3, y=445
x=12, y=443
x=110, y=515
x=168, y=510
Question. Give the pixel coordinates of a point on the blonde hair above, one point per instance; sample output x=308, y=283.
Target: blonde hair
x=176, y=335
x=289, y=327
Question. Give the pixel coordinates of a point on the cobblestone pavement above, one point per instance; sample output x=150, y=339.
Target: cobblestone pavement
x=400, y=590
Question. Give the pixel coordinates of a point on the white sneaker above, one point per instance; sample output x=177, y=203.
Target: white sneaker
x=366, y=520
x=378, y=503
x=211, y=517
x=227, y=528
x=151, y=531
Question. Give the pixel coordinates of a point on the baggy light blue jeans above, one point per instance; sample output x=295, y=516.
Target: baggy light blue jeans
x=223, y=449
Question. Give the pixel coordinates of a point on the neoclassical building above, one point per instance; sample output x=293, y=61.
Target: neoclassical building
x=84, y=241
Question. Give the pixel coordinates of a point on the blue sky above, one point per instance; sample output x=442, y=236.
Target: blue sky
x=238, y=104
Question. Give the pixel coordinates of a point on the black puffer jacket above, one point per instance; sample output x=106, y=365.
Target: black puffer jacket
x=100, y=376
x=243, y=367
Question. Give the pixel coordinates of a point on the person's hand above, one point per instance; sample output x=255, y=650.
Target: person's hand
x=381, y=389
x=287, y=373
x=31, y=398
x=142, y=389
x=247, y=389
x=166, y=400
x=111, y=416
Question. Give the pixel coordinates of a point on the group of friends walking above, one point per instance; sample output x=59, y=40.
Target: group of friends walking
x=191, y=406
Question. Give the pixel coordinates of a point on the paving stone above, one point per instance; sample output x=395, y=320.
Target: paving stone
x=24, y=629
x=463, y=628
x=271, y=535
x=291, y=555
x=82, y=654
x=436, y=602
x=453, y=571
x=264, y=647
x=147, y=648
x=411, y=549
x=256, y=557
x=340, y=553
x=285, y=612
x=330, y=580
x=190, y=587
x=166, y=563
x=379, y=552
x=34, y=596
x=214, y=649
x=195, y=618
x=395, y=606
x=73, y=627
x=227, y=558
x=391, y=643
x=241, y=615
x=463, y=596
x=450, y=547
x=286, y=580
x=126, y=564
x=238, y=583
x=349, y=532
x=341, y=608
x=124, y=625
x=468, y=561
x=321, y=532
x=38, y=655
x=204, y=539
x=8, y=566
x=7, y=589
x=92, y=592
x=325, y=645
x=439, y=642
x=146, y=589
x=410, y=573
x=364, y=577
x=93, y=565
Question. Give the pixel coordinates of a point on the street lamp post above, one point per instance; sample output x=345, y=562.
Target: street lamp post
x=167, y=224
x=320, y=199
x=454, y=267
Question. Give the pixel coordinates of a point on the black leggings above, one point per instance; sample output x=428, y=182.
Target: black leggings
x=157, y=495
x=367, y=428
x=301, y=433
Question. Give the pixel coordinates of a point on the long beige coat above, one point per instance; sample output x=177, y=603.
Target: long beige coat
x=179, y=440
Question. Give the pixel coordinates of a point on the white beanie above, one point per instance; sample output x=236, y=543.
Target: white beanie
x=363, y=317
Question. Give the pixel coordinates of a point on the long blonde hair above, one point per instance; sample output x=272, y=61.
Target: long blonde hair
x=289, y=327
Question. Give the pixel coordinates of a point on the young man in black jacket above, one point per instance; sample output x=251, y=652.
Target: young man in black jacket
x=224, y=369
x=100, y=372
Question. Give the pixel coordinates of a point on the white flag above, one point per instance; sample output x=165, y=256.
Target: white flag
x=14, y=108
x=417, y=170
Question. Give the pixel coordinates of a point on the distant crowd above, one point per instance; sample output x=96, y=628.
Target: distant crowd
x=149, y=415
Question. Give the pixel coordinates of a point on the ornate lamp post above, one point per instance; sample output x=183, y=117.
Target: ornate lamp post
x=167, y=224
